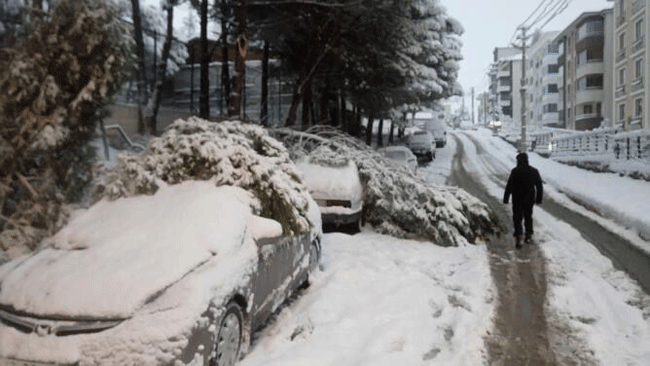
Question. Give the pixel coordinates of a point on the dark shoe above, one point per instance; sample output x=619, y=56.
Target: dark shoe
x=529, y=239
x=519, y=241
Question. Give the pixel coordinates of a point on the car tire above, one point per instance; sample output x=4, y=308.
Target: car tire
x=229, y=337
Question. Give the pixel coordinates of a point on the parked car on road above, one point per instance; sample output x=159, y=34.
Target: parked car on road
x=336, y=189
x=438, y=129
x=422, y=144
x=401, y=155
x=178, y=278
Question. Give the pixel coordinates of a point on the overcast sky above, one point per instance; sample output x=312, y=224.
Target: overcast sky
x=491, y=23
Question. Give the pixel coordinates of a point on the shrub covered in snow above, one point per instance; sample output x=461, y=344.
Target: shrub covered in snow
x=227, y=153
x=52, y=83
x=396, y=201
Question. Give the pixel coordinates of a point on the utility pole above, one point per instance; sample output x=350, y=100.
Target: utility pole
x=522, y=89
x=472, y=105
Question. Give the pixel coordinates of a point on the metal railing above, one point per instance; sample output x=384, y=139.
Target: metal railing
x=620, y=55
x=638, y=5
x=637, y=84
x=638, y=44
x=607, y=143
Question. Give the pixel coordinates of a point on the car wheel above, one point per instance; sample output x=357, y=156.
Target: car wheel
x=229, y=337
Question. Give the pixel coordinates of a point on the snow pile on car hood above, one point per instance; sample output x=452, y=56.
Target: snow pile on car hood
x=226, y=153
x=338, y=182
x=115, y=256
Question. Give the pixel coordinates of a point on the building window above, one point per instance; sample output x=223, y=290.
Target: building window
x=588, y=109
x=553, y=48
x=553, y=69
x=621, y=112
x=590, y=82
x=621, y=42
x=638, y=68
x=552, y=89
x=550, y=108
x=621, y=76
x=638, y=107
x=638, y=29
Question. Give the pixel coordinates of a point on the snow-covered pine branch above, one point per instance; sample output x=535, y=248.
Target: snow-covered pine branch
x=226, y=153
x=397, y=201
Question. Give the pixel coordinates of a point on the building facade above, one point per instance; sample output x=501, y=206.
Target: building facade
x=505, y=76
x=542, y=81
x=586, y=79
x=631, y=58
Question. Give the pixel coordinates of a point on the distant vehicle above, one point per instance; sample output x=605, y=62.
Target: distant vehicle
x=337, y=190
x=467, y=125
x=422, y=144
x=400, y=155
x=438, y=129
x=178, y=278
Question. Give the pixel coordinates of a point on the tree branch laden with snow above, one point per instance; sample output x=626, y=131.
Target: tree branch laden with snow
x=396, y=201
x=226, y=153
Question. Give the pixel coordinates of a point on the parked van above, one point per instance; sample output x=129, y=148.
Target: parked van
x=438, y=129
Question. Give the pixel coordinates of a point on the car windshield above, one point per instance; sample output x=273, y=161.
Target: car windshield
x=396, y=155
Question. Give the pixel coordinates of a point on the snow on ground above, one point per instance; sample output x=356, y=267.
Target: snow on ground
x=602, y=304
x=378, y=300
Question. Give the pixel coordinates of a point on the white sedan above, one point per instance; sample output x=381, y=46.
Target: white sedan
x=178, y=278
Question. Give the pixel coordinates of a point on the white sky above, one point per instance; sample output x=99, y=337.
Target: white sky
x=490, y=24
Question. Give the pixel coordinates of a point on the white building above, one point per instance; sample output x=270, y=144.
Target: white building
x=542, y=80
x=505, y=77
x=631, y=58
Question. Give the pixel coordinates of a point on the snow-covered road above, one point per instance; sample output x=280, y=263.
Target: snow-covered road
x=378, y=300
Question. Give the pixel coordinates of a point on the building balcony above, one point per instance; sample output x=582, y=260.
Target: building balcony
x=620, y=91
x=637, y=84
x=620, y=55
x=505, y=102
x=550, y=118
x=504, y=88
x=580, y=117
x=590, y=67
x=589, y=96
x=561, y=59
x=638, y=45
x=503, y=73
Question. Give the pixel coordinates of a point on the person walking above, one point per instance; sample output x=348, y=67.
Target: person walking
x=525, y=186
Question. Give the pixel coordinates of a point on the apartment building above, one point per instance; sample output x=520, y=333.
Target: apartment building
x=631, y=56
x=542, y=81
x=505, y=76
x=586, y=88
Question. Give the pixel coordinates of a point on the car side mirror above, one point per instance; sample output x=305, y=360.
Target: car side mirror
x=264, y=231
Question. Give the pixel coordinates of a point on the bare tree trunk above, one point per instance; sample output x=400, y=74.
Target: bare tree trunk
x=380, y=133
x=142, y=69
x=264, y=113
x=240, y=59
x=391, y=133
x=371, y=121
x=225, y=69
x=299, y=89
x=204, y=92
x=151, y=120
x=306, y=105
x=325, y=107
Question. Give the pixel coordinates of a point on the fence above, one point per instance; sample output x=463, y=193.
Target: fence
x=608, y=143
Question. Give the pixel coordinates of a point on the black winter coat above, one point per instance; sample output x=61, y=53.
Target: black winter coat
x=524, y=184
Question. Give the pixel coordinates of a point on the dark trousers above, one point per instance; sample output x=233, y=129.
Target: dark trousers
x=522, y=211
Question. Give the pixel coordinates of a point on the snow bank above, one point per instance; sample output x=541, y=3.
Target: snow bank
x=384, y=301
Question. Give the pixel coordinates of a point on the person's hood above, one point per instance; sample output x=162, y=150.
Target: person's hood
x=522, y=160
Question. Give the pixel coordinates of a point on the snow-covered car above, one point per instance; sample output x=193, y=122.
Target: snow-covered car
x=336, y=189
x=177, y=278
x=401, y=155
x=422, y=144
